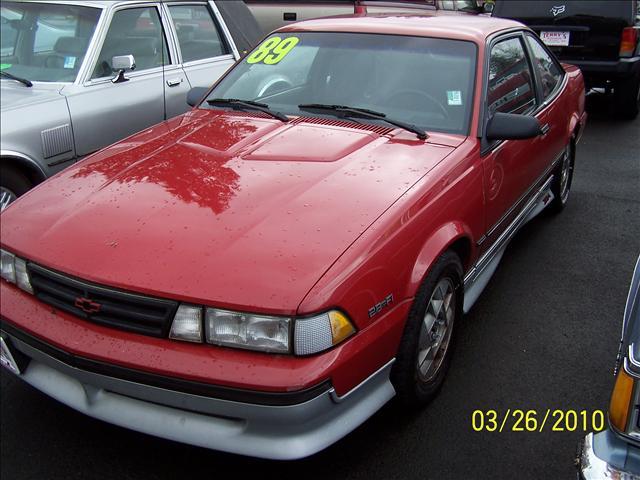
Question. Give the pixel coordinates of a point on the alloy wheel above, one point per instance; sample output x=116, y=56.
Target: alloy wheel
x=435, y=332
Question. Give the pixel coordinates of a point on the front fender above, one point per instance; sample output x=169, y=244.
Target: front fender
x=40, y=132
x=454, y=235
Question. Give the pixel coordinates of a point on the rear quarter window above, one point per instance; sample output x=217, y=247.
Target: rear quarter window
x=549, y=72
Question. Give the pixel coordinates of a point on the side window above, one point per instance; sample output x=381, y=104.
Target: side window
x=510, y=79
x=198, y=34
x=137, y=32
x=549, y=72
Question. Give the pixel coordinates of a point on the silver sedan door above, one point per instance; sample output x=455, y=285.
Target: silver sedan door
x=102, y=111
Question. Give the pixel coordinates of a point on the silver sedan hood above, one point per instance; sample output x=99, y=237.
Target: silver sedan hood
x=14, y=94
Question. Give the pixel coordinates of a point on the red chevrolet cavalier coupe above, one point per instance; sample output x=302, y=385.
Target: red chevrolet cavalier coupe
x=263, y=273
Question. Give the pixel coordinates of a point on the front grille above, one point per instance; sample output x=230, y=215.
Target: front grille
x=105, y=306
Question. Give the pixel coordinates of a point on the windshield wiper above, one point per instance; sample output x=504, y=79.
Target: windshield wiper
x=248, y=104
x=24, y=81
x=364, y=113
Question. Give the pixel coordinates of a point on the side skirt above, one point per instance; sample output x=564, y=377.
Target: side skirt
x=479, y=275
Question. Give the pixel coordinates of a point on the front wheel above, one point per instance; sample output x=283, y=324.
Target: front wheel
x=427, y=342
x=562, y=179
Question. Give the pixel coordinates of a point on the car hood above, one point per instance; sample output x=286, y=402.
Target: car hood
x=221, y=208
x=14, y=94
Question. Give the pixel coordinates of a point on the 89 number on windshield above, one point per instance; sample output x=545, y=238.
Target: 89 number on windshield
x=273, y=50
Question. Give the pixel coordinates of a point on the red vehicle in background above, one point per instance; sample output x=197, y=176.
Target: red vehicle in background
x=261, y=274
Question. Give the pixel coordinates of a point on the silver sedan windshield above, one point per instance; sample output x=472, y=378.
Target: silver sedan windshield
x=43, y=41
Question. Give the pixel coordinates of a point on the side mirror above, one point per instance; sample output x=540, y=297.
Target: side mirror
x=511, y=126
x=487, y=7
x=195, y=95
x=121, y=64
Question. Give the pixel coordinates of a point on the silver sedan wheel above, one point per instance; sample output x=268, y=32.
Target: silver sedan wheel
x=435, y=332
x=6, y=197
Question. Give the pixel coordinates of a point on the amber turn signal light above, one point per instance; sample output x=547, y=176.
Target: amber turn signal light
x=341, y=327
x=621, y=401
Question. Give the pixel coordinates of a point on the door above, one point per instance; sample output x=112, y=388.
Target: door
x=510, y=167
x=203, y=47
x=103, y=112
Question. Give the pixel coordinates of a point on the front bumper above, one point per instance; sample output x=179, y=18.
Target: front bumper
x=274, y=431
x=604, y=456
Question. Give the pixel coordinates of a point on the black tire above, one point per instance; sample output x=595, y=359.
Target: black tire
x=411, y=387
x=626, y=95
x=13, y=182
x=560, y=193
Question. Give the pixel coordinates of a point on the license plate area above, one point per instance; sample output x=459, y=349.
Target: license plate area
x=555, y=39
x=10, y=358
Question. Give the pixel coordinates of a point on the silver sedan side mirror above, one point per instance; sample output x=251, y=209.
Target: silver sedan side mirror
x=121, y=64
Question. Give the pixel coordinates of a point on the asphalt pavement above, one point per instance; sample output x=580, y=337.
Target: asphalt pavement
x=544, y=335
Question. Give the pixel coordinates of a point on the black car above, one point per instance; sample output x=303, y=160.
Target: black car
x=600, y=37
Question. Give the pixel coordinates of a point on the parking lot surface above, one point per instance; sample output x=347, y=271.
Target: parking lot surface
x=544, y=335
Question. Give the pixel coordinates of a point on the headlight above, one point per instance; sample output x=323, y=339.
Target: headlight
x=14, y=270
x=255, y=332
x=302, y=336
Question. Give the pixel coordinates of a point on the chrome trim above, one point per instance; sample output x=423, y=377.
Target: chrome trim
x=511, y=229
x=524, y=196
x=478, y=276
x=84, y=72
x=225, y=30
x=26, y=158
x=631, y=360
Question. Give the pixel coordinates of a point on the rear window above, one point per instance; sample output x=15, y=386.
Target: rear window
x=555, y=9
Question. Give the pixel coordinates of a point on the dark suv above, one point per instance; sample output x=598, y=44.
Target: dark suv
x=602, y=38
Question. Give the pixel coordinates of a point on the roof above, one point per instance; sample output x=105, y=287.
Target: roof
x=434, y=24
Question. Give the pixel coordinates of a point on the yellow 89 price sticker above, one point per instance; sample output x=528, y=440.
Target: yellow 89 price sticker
x=272, y=50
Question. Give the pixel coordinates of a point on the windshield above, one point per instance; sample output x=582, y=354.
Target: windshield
x=45, y=42
x=426, y=82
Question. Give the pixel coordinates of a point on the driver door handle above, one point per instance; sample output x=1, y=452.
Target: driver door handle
x=174, y=83
x=544, y=128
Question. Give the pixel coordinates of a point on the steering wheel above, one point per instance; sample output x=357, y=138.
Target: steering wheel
x=412, y=95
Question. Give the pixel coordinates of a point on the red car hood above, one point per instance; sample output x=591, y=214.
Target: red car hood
x=225, y=209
